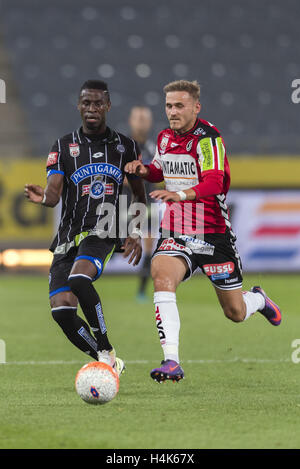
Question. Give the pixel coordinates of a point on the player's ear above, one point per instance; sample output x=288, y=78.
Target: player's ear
x=198, y=107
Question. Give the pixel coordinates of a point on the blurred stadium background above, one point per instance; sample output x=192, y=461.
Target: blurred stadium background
x=245, y=54
x=242, y=388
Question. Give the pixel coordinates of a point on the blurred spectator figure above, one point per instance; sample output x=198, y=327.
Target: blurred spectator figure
x=140, y=124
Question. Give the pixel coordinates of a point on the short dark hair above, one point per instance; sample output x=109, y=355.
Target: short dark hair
x=95, y=85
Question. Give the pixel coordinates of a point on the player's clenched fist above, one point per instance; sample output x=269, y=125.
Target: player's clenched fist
x=136, y=167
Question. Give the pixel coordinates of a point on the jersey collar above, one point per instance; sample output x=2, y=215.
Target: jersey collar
x=188, y=132
x=109, y=137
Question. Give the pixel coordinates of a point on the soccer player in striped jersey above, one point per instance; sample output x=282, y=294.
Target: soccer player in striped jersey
x=196, y=232
x=85, y=170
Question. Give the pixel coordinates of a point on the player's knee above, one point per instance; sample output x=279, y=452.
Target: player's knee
x=163, y=283
x=234, y=313
x=57, y=302
x=57, y=315
x=78, y=283
x=63, y=315
x=162, y=280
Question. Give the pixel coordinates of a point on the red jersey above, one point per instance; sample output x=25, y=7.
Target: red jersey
x=194, y=160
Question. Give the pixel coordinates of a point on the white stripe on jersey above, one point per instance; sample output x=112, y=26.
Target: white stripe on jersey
x=59, y=155
x=78, y=137
x=118, y=188
x=213, y=153
x=100, y=206
x=77, y=197
x=89, y=197
x=218, y=156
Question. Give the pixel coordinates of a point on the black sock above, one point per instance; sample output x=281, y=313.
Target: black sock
x=76, y=329
x=82, y=287
x=145, y=273
x=143, y=284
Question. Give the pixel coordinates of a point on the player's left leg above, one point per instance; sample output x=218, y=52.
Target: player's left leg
x=239, y=305
x=64, y=305
x=224, y=269
x=236, y=306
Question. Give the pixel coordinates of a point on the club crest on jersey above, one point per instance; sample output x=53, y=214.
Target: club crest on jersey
x=109, y=189
x=189, y=145
x=164, y=143
x=97, y=189
x=74, y=149
x=120, y=148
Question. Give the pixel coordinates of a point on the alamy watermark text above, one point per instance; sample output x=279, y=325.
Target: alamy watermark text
x=2, y=91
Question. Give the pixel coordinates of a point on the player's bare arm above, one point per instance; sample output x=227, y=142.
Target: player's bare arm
x=49, y=196
x=132, y=245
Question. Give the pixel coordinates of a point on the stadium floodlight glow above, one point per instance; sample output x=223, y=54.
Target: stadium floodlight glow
x=26, y=258
x=2, y=91
x=10, y=258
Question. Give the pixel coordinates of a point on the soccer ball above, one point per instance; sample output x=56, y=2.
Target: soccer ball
x=97, y=383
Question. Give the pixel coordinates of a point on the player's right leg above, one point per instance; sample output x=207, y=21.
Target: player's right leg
x=167, y=272
x=93, y=254
x=64, y=312
x=64, y=305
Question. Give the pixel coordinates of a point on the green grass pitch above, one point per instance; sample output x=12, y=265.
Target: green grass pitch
x=242, y=389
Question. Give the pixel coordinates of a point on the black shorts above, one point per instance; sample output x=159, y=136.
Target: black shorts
x=95, y=249
x=216, y=256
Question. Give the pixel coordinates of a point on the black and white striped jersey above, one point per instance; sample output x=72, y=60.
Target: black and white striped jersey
x=93, y=170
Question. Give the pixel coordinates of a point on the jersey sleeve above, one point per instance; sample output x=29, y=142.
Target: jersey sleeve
x=54, y=160
x=211, y=155
x=155, y=168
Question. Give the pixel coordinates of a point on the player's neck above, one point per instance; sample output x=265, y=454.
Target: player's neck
x=101, y=132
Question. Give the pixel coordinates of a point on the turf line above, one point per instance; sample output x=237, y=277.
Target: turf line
x=147, y=362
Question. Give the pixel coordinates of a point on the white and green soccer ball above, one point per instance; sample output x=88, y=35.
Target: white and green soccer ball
x=97, y=383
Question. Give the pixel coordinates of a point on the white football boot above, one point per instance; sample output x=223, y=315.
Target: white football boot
x=110, y=358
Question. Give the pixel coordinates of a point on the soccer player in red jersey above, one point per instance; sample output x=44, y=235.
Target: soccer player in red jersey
x=196, y=231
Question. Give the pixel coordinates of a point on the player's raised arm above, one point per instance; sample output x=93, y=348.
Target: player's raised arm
x=132, y=245
x=138, y=190
x=49, y=196
x=136, y=167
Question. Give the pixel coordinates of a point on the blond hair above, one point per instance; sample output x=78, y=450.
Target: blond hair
x=191, y=87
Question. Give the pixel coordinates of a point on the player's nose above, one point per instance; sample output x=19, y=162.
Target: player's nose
x=92, y=107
